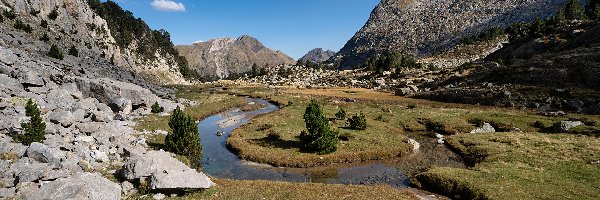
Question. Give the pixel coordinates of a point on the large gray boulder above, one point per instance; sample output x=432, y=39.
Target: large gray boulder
x=7, y=56
x=107, y=90
x=9, y=86
x=79, y=186
x=64, y=118
x=564, y=126
x=29, y=78
x=60, y=99
x=485, y=128
x=123, y=105
x=177, y=180
x=33, y=172
x=44, y=154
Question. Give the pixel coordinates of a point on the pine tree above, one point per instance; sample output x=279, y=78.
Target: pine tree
x=593, y=9
x=574, y=11
x=254, y=71
x=341, y=115
x=55, y=52
x=358, y=122
x=53, y=14
x=73, y=51
x=183, y=139
x=156, y=108
x=319, y=137
x=34, y=129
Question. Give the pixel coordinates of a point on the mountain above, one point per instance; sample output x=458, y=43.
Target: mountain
x=423, y=27
x=225, y=57
x=317, y=55
x=100, y=32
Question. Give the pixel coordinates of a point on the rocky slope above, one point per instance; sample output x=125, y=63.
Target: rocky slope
x=224, y=57
x=76, y=24
x=421, y=27
x=317, y=55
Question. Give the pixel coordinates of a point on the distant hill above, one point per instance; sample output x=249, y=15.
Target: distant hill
x=317, y=55
x=225, y=57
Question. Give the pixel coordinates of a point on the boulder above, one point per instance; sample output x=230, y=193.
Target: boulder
x=99, y=156
x=33, y=172
x=564, y=126
x=175, y=180
x=79, y=186
x=7, y=56
x=123, y=105
x=60, y=99
x=415, y=144
x=9, y=86
x=89, y=128
x=144, y=165
x=29, y=78
x=403, y=91
x=127, y=188
x=102, y=116
x=64, y=118
x=106, y=90
x=575, y=105
x=45, y=154
x=485, y=128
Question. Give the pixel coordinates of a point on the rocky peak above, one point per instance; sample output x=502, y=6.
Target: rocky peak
x=317, y=55
x=423, y=27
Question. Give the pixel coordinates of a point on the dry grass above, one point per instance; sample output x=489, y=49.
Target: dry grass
x=521, y=166
x=234, y=189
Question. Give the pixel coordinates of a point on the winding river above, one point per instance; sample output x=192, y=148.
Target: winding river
x=219, y=162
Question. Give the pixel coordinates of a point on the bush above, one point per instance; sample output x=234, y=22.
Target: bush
x=73, y=51
x=319, y=137
x=574, y=11
x=55, y=52
x=156, y=108
x=34, y=130
x=1, y=18
x=10, y=14
x=22, y=26
x=53, y=14
x=358, y=122
x=184, y=139
x=273, y=135
x=45, y=38
x=341, y=115
x=44, y=24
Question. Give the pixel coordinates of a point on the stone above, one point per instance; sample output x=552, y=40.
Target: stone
x=30, y=78
x=8, y=193
x=89, y=128
x=9, y=86
x=485, y=128
x=127, y=188
x=575, y=105
x=144, y=165
x=159, y=196
x=61, y=99
x=102, y=116
x=33, y=172
x=45, y=154
x=403, y=91
x=80, y=115
x=7, y=56
x=64, y=118
x=79, y=186
x=441, y=141
x=415, y=144
x=122, y=105
x=167, y=180
x=106, y=90
x=99, y=156
x=564, y=126
x=84, y=139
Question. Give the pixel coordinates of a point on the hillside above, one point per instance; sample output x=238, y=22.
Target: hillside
x=225, y=57
x=420, y=27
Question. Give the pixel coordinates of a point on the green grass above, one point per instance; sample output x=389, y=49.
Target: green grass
x=520, y=166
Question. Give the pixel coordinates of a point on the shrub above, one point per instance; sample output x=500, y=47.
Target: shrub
x=156, y=108
x=34, y=129
x=45, y=38
x=1, y=18
x=73, y=51
x=318, y=137
x=273, y=135
x=341, y=115
x=412, y=106
x=183, y=139
x=22, y=26
x=34, y=12
x=44, y=24
x=358, y=122
x=574, y=11
x=53, y=14
x=10, y=14
x=55, y=52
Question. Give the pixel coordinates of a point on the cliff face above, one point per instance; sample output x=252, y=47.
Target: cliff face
x=77, y=25
x=223, y=57
x=424, y=27
x=317, y=55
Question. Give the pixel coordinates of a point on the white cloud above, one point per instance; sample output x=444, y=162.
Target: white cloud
x=168, y=5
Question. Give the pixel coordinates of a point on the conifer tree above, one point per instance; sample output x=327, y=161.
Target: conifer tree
x=34, y=130
x=55, y=52
x=574, y=11
x=319, y=137
x=184, y=138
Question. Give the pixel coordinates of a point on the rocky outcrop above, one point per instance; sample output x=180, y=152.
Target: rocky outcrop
x=79, y=186
x=317, y=55
x=422, y=27
x=223, y=57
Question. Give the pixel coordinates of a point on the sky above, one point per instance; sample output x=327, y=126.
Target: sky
x=291, y=26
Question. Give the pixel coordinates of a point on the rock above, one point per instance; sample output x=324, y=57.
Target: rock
x=123, y=105
x=575, y=105
x=84, y=139
x=175, y=180
x=9, y=86
x=7, y=193
x=415, y=144
x=159, y=196
x=99, y=156
x=127, y=188
x=485, y=128
x=102, y=116
x=564, y=126
x=7, y=56
x=160, y=132
x=89, y=128
x=441, y=141
x=403, y=91
x=153, y=161
x=439, y=136
x=61, y=99
x=64, y=118
x=106, y=90
x=80, y=115
x=30, y=78
x=79, y=186
x=594, y=110
x=33, y=172
x=45, y=154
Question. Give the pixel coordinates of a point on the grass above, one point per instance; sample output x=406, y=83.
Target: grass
x=233, y=189
x=520, y=166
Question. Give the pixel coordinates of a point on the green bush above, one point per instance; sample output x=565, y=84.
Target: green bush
x=34, y=130
x=73, y=51
x=55, y=52
x=10, y=14
x=486, y=35
x=574, y=11
x=1, y=18
x=358, y=122
x=53, y=14
x=593, y=9
x=341, y=115
x=45, y=38
x=184, y=139
x=22, y=26
x=156, y=108
x=319, y=137
x=44, y=24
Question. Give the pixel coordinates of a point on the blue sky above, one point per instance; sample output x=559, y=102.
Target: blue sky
x=292, y=26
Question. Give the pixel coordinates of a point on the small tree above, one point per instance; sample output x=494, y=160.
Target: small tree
x=319, y=137
x=156, y=108
x=35, y=128
x=53, y=14
x=358, y=122
x=341, y=115
x=593, y=9
x=183, y=139
x=55, y=52
x=73, y=51
x=44, y=23
x=45, y=38
x=574, y=11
